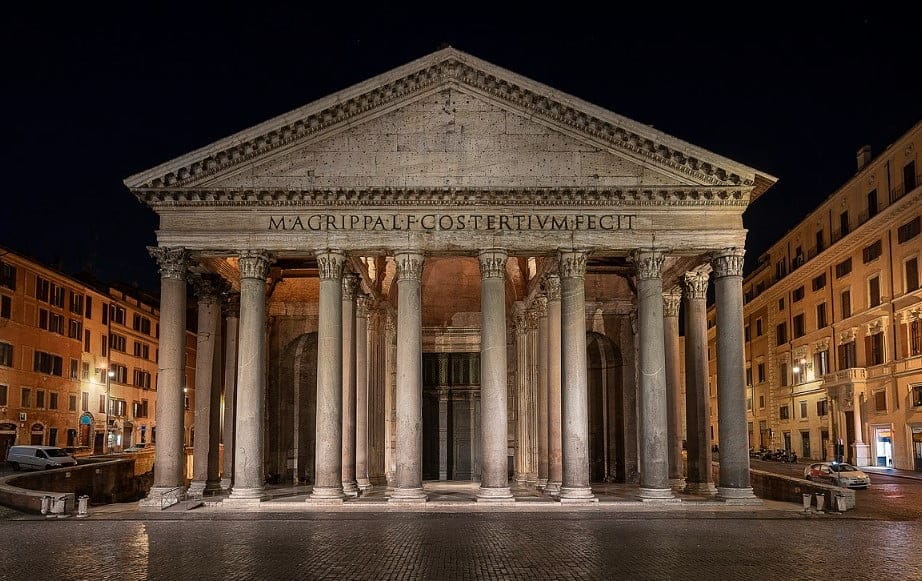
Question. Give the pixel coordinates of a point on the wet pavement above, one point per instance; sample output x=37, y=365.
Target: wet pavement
x=460, y=546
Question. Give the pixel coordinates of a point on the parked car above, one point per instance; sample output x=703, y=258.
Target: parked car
x=38, y=457
x=837, y=474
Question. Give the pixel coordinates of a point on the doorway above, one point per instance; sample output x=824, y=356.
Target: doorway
x=883, y=439
x=606, y=421
x=451, y=408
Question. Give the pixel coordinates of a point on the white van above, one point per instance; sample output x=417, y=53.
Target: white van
x=38, y=457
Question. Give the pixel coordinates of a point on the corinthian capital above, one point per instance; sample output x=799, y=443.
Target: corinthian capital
x=362, y=306
x=696, y=285
x=493, y=263
x=409, y=266
x=350, y=286
x=552, y=287
x=254, y=264
x=540, y=305
x=173, y=262
x=671, y=300
x=728, y=262
x=520, y=321
x=648, y=263
x=208, y=287
x=572, y=263
x=330, y=264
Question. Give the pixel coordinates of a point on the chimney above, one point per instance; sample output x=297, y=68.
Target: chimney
x=864, y=156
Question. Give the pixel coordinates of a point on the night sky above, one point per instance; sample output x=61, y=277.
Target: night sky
x=92, y=96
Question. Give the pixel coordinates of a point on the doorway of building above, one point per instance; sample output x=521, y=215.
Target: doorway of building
x=917, y=447
x=606, y=420
x=824, y=440
x=292, y=406
x=7, y=439
x=883, y=439
x=451, y=411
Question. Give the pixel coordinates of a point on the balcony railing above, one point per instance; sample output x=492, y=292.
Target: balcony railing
x=850, y=375
x=900, y=190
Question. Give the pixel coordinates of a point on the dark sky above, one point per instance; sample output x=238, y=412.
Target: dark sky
x=93, y=96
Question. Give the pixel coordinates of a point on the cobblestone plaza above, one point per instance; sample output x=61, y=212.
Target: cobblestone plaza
x=463, y=546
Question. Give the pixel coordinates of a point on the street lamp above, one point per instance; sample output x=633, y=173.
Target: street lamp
x=105, y=442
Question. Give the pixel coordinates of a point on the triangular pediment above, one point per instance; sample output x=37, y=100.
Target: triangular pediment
x=448, y=120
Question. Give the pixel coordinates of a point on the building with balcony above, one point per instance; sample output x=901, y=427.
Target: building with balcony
x=833, y=322
x=75, y=358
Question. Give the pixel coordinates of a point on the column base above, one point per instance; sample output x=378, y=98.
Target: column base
x=408, y=496
x=498, y=494
x=862, y=454
x=196, y=487
x=212, y=487
x=248, y=494
x=552, y=489
x=154, y=501
x=350, y=489
x=661, y=495
x=677, y=484
x=226, y=483
x=542, y=483
x=702, y=488
x=741, y=496
x=363, y=484
x=326, y=495
x=574, y=495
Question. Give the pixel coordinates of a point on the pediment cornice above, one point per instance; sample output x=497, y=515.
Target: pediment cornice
x=450, y=197
x=452, y=68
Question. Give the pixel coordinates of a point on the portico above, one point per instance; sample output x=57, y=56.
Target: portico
x=428, y=211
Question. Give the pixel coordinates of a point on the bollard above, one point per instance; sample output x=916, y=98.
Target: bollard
x=820, y=501
x=840, y=502
x=57, y=505
x=807, y=499
x=82, y=503
x=46, y=504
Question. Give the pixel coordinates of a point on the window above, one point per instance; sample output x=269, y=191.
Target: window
x=141, y=379
x=799, y=372
x=118, y=407
x=798, y=294
x=105, y=314
x=141, y=324
x=121, y=373
x=749, y=376
x=104, y=343
x=781, y=333
x=760, y=372
x=4, y=394
x=911, y=269
x=821, y=363
x=6, y=354
x=873, y=291
x=916, y=395
x=847, y=355
x=846, y=303
x=40, y=399
x=88, y=312
x=102, y=403
x=872, y=203
x=780, y=269
x=781, y=304
x=876, y=349
x=74, y=329
x=799, y=328
x=48, y=363
x=761, y=402
x=798, y=257
x=25, y=397
x=759, y=327
x=803, y=410
x=7, y=275
x=141, y=350
x=871, y=252
x=6, y=307
x=86, y=340
x=909, y=230
x=42, y=289
x=53, y=400
x=820, y=241
x=843, y=268
x=843, y=223
x=118, y=342
x=748, y=404
x=784, y=412
x=56, y=323
x=76, y=303
x=880, y=401
x=117, y=314
x=73, y=368
x=86, y=370
x=822, y=407
x=783, y=374
x=818, y=282
x=57, y=296
x=747, y=334
x=85, y=401
x=915, y=337
x=72, y=402
x=909, y=177
x=821, y=320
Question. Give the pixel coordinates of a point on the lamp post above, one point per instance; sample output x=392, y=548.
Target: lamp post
x=105, y=441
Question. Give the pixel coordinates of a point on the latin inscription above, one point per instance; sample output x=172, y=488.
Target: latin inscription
x=510, y=222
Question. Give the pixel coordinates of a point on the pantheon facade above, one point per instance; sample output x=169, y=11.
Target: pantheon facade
x=451, y=272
